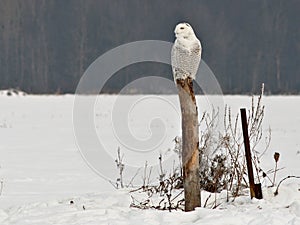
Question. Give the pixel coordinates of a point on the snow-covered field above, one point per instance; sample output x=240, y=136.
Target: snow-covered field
x=47, y=181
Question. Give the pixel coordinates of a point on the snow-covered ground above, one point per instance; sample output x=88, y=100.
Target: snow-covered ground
x=46, y=180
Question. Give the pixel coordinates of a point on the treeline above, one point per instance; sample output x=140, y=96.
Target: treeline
x=46, y=45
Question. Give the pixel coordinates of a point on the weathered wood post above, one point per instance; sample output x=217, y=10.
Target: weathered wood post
x=185, y=59
x=190, y=143
x=255, y=189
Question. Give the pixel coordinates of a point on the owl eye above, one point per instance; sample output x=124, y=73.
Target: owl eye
x=187, y=24
x=181, y=28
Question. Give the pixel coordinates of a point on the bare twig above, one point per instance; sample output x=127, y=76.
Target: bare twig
x=161, y=174
x=133, y=177
x=276, y=158
x=206, y=200
x=1, y=188
x=120, y=166
x=288, y=177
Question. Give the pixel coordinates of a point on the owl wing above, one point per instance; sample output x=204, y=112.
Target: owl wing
x=185, y=62
x=179, y=61
x=195, y=57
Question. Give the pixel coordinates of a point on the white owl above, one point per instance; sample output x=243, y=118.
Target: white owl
x=186, y=52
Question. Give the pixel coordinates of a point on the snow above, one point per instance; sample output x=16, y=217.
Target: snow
x=43, y=171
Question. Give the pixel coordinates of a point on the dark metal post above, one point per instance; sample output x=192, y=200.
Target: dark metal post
x=248, y=152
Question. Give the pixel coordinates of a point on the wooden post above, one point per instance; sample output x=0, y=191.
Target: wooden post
x=190, y=144
x=255, y=189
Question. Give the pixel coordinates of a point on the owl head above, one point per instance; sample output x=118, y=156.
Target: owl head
x=184, y=30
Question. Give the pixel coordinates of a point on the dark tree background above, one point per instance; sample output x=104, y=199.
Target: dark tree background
x=46, y=45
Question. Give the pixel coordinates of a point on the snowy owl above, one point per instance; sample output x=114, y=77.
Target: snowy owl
x=186, y=52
